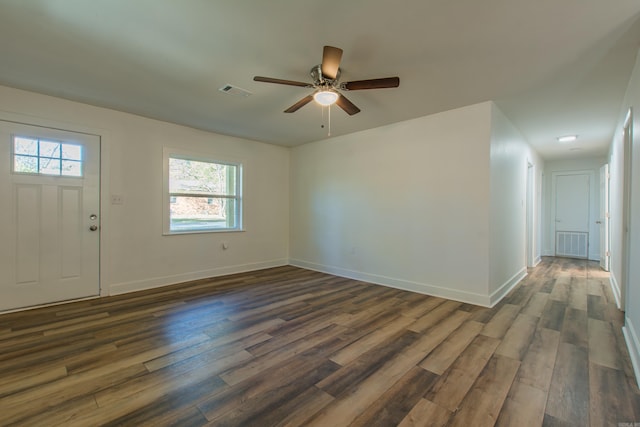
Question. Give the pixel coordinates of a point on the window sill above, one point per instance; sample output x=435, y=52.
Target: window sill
x=178, y=233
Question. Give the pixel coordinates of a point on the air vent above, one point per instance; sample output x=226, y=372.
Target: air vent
x=234, y=90
x=572, y=244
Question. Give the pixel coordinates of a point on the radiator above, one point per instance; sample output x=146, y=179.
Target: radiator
x=572, y=244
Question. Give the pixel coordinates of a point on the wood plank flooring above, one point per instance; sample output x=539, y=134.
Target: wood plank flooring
x=292, y=347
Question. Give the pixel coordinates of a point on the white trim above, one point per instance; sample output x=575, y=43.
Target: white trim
x=615, y=288
x=156, y=282
x=627, y=195
x=537, y=261
x=506, y=287
x=51, y=304
x=633, y=345
x=422, y=288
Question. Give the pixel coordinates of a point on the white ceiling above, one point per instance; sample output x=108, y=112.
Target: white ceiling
x=554, y=67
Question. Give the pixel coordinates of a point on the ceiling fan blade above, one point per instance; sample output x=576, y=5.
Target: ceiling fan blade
x=281, y=82
x=371, y=84
x=295, y=107
x=331, y=57
x=347, y=105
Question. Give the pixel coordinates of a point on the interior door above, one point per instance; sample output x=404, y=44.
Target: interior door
x=572, y=202
x=572, y=215
x=49, y=227
x=603, y=220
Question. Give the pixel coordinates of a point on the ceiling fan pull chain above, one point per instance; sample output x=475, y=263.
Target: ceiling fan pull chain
x=329, y=116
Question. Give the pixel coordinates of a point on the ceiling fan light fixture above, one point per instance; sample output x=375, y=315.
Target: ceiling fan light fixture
x=326, y=97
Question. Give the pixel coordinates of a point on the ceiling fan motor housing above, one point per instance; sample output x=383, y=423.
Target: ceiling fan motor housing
x=321, y=81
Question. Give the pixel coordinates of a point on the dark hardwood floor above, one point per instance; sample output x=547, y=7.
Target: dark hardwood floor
x=291, y=347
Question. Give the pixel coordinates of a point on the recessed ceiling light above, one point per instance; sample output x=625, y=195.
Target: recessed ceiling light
x=567, y=138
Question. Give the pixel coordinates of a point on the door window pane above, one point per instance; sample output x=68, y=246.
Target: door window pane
x=34, y=156
x=26, y=146
x=71, y=168
x=72, y=152
x=25, y=164
x=49, y=166
x=49, y=149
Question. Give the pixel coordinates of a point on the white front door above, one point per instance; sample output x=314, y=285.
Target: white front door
x=49, y=227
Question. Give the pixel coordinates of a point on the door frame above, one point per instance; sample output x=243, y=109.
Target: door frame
x=530, y=216
x=627, y=150
x=603, y=220
x=104, y=137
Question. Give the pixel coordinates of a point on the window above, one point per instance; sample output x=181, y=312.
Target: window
x=203, y=195
x=45, y=157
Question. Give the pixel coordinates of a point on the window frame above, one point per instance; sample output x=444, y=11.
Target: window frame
x=39, y=158
x=170, y=153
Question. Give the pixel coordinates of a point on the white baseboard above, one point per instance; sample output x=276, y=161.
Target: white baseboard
x=503, y=290
x=537, y=261
x=633, y=345
x=422, y=288
x=156, y=282
x=615, y=288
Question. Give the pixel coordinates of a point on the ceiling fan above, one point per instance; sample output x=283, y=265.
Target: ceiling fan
x=326, y=82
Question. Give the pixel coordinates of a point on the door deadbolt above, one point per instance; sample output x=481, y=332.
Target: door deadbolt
x=93, y=228
x=93, y=217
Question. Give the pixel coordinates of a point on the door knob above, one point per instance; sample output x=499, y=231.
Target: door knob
x=598, y=222
x=93, y=228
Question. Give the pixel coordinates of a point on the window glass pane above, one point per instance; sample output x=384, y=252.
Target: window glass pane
x=71, y=168
x=32, y=155
x=202, y=213
x=196, y=177
x=25, y=146
x=24, y=164
x=49, y=166
x=72, y=152
x=49, y=149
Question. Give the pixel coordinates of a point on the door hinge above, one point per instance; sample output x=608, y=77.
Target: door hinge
x=607, y=253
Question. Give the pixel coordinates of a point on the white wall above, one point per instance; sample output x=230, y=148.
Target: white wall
x=135, y=254
x=403, y=205
x=632, y=300
x=510, y=156
x=434, y=205
x=590, y=166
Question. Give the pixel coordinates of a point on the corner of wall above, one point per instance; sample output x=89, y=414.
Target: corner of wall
x=506, y=287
